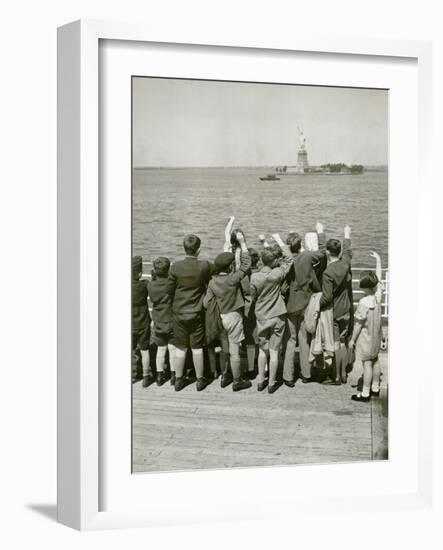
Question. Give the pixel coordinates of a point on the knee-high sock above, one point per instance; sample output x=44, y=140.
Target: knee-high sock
x=251, y=351
x=179, y=362
x=367, y=378
x=171, y=351
x=262, y=361
x=145, y=362
x=273, y=365
x=376, y=376
x=197, y=357
x=234, y=351
x=160, y=359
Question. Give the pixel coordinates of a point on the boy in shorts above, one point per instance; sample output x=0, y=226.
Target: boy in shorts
x=270, y=310
x=250, y=322
x=162, y=317
x=187, y=283
x=225, y=286
x=141, y=320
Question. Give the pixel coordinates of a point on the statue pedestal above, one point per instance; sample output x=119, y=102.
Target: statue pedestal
x=302, y=160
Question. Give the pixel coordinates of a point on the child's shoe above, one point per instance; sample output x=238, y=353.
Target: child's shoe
x=148, y=380
x=241, y=384
x=161, y=378
x=201, y=383
x=359, y=397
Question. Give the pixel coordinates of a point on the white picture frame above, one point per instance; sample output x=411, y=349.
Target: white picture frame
x=79, y=259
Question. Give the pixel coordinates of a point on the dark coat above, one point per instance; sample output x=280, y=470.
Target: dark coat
x=161, y=300
x=187, y=284
x=302, y=278
x=140, y=312
x=336, y=283
x=227, y=289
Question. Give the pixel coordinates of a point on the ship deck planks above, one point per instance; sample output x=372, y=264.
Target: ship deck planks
x=217, y=428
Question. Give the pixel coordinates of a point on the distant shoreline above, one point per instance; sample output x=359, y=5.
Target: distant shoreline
x=367, y=168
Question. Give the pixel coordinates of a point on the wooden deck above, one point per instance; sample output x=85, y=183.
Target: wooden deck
x=217, y=428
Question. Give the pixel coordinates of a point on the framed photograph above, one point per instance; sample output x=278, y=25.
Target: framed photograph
x=234, y=304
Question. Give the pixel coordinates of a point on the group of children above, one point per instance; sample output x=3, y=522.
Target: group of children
x=292, y=295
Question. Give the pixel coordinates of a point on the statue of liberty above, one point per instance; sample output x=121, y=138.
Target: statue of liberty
x=301, y=138
x=302, y=155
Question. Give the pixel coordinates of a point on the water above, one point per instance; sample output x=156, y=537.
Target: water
x=168, y=204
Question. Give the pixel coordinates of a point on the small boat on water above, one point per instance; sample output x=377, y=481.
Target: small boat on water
x=270, y=177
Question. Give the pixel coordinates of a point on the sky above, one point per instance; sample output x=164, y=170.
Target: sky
x=212, y=123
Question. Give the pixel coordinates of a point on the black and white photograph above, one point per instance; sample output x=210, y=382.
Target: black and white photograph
x=260, y=274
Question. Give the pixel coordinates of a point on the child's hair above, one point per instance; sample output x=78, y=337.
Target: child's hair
x=278, y=253
x=291, y=236
x=137, y=267
x=268, y=257
x=191, y=244
x=333, y=246
x=255, y=256
x=368, y=279
x=294, y=243
x=234, y=242
x=161, y=266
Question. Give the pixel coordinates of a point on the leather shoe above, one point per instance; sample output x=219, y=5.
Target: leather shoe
x=289, y=383
x=241, y=385
x=225, y=380
x=148, y=380
x=274, y=387
x=262, y=385
x=180, y=383
x=359, y=397
x=201, y=383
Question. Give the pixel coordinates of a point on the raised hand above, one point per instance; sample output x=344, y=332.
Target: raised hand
x=262, y=238
x=240, y=236
x=278, y=239
x=347, y=231
x=319, y=227
x=228, y=230
x=378, y=270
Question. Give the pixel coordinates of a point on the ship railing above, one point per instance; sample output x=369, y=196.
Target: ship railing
x=357, y=293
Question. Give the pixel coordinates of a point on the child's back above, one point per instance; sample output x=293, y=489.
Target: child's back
x=161, y=300
x=226, y=287
x=368, y=314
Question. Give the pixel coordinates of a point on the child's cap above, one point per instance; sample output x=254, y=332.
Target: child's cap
x=161, y=266
x=368, y=279
x=224, y=260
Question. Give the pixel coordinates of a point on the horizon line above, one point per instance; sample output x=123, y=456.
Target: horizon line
x=181, y=167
